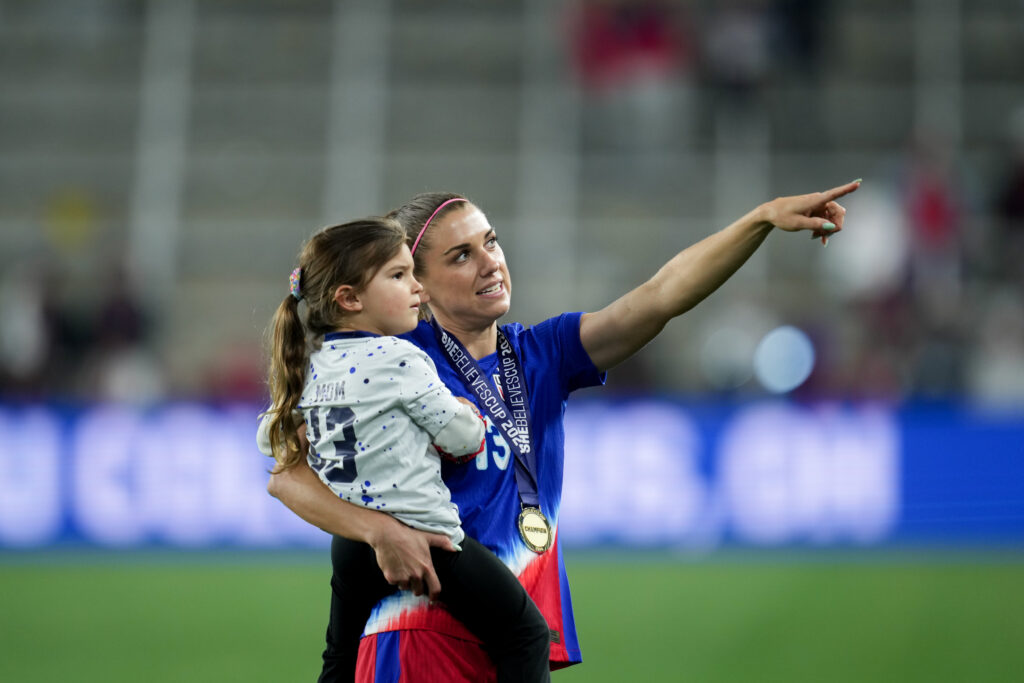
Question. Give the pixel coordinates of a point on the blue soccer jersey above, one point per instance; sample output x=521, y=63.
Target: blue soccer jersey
x=485, y=490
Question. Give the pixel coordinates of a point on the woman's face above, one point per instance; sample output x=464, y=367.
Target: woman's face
x=465, y=278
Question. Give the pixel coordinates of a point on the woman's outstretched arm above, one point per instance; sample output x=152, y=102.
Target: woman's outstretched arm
x=403, y=553
x=622, y=328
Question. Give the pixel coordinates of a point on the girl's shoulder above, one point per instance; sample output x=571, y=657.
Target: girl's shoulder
x=380, y=348
x=400, y=353
x=400, y=347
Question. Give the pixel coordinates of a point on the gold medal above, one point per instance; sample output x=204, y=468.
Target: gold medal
x=535, y=530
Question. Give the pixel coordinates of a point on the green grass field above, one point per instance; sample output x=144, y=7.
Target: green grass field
x=748, y=618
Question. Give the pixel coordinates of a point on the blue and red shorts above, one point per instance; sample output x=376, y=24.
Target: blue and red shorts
x=420, y=656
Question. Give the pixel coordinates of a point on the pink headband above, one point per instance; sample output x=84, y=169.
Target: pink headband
x=436, y=211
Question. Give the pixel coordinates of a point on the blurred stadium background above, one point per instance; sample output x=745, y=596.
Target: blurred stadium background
x=828, y=483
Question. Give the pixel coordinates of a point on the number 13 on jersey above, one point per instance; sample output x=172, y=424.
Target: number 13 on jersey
x=337, y=422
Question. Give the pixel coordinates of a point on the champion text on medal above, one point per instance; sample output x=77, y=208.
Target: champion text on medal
x=535, y=530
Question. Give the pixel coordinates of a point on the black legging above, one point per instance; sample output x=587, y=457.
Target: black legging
x=476, y=587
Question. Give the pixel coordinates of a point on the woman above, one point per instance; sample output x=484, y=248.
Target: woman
x=510, y=500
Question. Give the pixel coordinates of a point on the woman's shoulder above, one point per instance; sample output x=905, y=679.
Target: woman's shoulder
x=422, y=336
x=513, y=329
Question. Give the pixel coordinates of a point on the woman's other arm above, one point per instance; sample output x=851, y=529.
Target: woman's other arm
x=622, y=328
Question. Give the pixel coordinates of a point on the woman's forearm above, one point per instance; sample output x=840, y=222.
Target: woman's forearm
x=627, y=324
x=303, y=493
x=697, y=271
x=619, y=330
x=402, y=552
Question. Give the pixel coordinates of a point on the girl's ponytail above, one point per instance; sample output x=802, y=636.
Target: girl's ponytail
x=289, y=353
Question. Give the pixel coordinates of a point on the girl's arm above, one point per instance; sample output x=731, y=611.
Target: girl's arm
x=453, y=423
x=622, y=328
x=463, y=438
x=403, y=553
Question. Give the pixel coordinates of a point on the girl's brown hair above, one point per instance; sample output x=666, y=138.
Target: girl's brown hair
x=346, y=254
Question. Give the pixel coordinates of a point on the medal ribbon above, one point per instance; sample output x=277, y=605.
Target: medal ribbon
x=511, y=416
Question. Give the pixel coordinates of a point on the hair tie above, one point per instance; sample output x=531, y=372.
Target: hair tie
x=436, y=211
x=293, y=283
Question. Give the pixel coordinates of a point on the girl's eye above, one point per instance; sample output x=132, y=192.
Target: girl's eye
x=461, y=256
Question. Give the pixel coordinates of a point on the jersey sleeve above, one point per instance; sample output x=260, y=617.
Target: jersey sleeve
x=559, y=339
x=263, y=435
x=463, y=436
x=263, y=432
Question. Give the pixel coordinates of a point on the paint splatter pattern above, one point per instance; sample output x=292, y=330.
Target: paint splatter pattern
x=374, y=407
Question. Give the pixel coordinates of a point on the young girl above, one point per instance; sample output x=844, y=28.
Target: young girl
x=373, y=405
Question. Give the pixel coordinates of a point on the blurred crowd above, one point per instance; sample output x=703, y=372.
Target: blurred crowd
x=55, y=346
x=932, y=284
x=930, y=294
x=931, y=287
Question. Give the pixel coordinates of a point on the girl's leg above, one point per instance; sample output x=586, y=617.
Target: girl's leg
x=482, y=593
x=357, y=584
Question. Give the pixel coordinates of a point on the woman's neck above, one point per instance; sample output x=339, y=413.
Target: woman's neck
x=479, y=342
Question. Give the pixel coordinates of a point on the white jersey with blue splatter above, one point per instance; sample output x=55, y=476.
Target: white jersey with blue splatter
x=374, y=406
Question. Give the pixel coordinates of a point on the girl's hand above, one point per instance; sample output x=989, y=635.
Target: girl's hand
x=817, y=212
x=463, y=399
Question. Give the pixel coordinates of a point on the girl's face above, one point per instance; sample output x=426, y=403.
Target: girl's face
x=391, y=299
x=465, y=278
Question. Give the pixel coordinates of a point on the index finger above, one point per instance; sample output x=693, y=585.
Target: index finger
x=841, y=191
x=433, y=585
